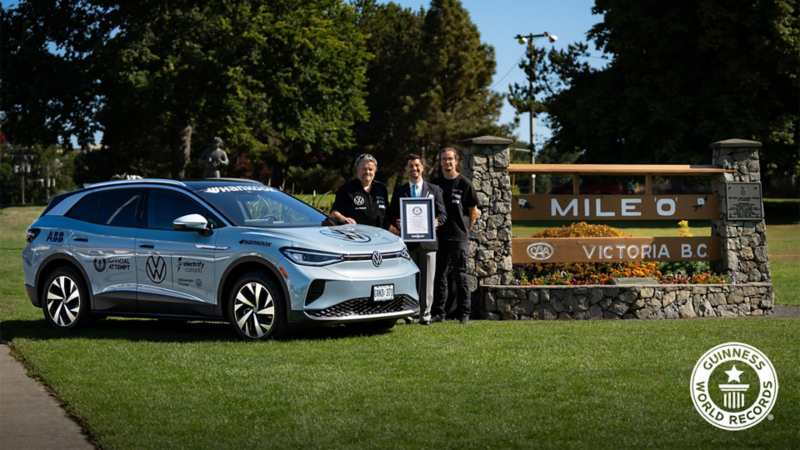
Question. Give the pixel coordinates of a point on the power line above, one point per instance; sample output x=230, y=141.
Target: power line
x=509, y=71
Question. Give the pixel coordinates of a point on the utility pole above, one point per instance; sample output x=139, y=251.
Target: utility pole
x=529, y=40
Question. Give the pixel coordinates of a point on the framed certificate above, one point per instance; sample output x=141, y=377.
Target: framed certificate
x=417, y=219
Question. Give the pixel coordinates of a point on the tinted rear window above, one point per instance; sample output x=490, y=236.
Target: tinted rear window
x=118, y=208
x=86, y=208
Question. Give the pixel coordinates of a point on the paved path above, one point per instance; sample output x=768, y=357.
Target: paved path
x=30, y=418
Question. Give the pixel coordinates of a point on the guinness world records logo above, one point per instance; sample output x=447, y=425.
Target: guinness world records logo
x=734, y=386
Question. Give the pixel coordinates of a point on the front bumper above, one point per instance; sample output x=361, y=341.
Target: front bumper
x=363, y=309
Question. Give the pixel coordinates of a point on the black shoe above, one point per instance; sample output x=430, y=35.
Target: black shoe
x=409, y=320
x=465, y=320
x=424, y=322
x=437, y=319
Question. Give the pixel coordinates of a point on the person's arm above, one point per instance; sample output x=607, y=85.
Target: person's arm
x=473, y=216
x=224, y=160
x=338, y=203
x=341, y=218
x=441, y=212
x=393, y=214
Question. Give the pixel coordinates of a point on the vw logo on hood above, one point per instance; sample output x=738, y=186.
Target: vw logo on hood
x=377, y=259
x=346, y=235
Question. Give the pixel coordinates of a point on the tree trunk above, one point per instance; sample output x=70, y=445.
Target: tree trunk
x=181, y=151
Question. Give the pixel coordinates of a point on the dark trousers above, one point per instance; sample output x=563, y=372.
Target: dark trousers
x=456, y=252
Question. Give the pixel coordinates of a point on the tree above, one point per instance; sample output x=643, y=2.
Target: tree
x=272, y=78
x=682, y=75
x=428, y=83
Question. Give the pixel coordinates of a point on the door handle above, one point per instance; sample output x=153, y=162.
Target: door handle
x=80, y=239
x=147, y=246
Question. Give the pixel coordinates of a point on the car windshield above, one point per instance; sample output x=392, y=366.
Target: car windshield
x=260, y=206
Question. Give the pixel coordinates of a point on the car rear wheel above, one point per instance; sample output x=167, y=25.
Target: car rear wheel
x=66, y=300
x=256, y=307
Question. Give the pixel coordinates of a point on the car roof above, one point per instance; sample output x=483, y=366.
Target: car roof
x=190, y=185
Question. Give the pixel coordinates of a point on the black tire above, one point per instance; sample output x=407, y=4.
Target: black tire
x=255, y=291
x=65, y=300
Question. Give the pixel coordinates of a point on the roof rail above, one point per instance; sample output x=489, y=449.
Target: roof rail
x=241, y=180
x=138, y=181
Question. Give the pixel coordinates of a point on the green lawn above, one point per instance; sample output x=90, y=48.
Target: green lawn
x=142, y=384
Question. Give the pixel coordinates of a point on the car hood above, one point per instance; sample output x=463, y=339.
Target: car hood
x=341, y=239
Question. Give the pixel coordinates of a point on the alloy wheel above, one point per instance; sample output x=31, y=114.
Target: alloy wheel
x=63, y=301
x=254, y=310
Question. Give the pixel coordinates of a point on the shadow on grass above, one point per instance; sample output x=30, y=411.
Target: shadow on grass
x=167, y=331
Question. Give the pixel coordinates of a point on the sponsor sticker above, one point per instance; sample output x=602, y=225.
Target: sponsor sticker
x=236, y=189
x=249, y=242
x=734, y=386
x=55, y=237
x=156, y=268
x=189, y=266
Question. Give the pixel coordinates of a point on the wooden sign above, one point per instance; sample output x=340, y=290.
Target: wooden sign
x=558, y=250
x=744, y=201
x=615, y=207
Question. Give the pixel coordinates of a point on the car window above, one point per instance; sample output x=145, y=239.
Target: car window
x=86, y=208
x=164, y=206
x=260, y=206
x=118, y=207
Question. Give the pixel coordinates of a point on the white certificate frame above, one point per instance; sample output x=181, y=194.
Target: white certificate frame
x=430, y=235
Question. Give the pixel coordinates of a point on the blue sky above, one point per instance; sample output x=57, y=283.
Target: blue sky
x=499, y=21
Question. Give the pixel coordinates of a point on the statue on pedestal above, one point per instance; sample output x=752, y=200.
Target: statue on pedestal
x=214, y=158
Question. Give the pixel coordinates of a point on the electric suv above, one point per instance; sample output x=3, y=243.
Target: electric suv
x=230, y=250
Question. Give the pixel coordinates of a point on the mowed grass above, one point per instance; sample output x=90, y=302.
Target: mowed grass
x=138, y=384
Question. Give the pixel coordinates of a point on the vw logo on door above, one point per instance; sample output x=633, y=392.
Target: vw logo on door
x=540, y=250
x=156, y=269
x=377, y=259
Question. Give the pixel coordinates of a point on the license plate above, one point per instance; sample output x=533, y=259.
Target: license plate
x=383, y=293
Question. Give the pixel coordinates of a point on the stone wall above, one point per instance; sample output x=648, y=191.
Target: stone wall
x=490, y=238
x=644, y=301
x=745, y=255
x=743, y=244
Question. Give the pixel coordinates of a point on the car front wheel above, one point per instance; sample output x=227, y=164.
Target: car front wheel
x=256, y=307
x=66, y=300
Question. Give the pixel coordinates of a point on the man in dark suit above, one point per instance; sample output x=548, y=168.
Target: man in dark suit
x=423, y=253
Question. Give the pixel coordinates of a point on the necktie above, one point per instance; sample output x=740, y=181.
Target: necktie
x=413, y=190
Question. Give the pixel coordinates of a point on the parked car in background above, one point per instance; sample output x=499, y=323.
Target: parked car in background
x=211, y=250
x=594, y=186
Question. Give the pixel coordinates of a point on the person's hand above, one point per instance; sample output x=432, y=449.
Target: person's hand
x=349, y=221
x=394, y=231
x=436, y=223
x=398, y=224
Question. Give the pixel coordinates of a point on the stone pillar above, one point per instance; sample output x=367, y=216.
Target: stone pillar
x=490, y=238
x=743, y=243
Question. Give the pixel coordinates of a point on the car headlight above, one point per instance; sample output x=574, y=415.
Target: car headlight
x=405, y=254
x=310, y=257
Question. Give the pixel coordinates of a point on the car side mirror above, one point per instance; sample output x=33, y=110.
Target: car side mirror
x=192, y=222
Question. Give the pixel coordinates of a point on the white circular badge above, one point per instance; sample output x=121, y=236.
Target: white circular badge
x=734, y=386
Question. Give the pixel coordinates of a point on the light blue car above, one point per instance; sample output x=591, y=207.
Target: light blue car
x=230, y=250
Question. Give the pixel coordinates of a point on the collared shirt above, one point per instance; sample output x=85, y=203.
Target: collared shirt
x=419, y=188
x=366, y=208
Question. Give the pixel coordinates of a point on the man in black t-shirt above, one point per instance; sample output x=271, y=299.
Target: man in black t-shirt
x=362, y=200
x=461, y=204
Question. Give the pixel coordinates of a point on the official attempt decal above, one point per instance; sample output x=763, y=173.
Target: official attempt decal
x=734, y=386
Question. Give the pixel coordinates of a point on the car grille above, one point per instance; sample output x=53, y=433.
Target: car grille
x=365, y=307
